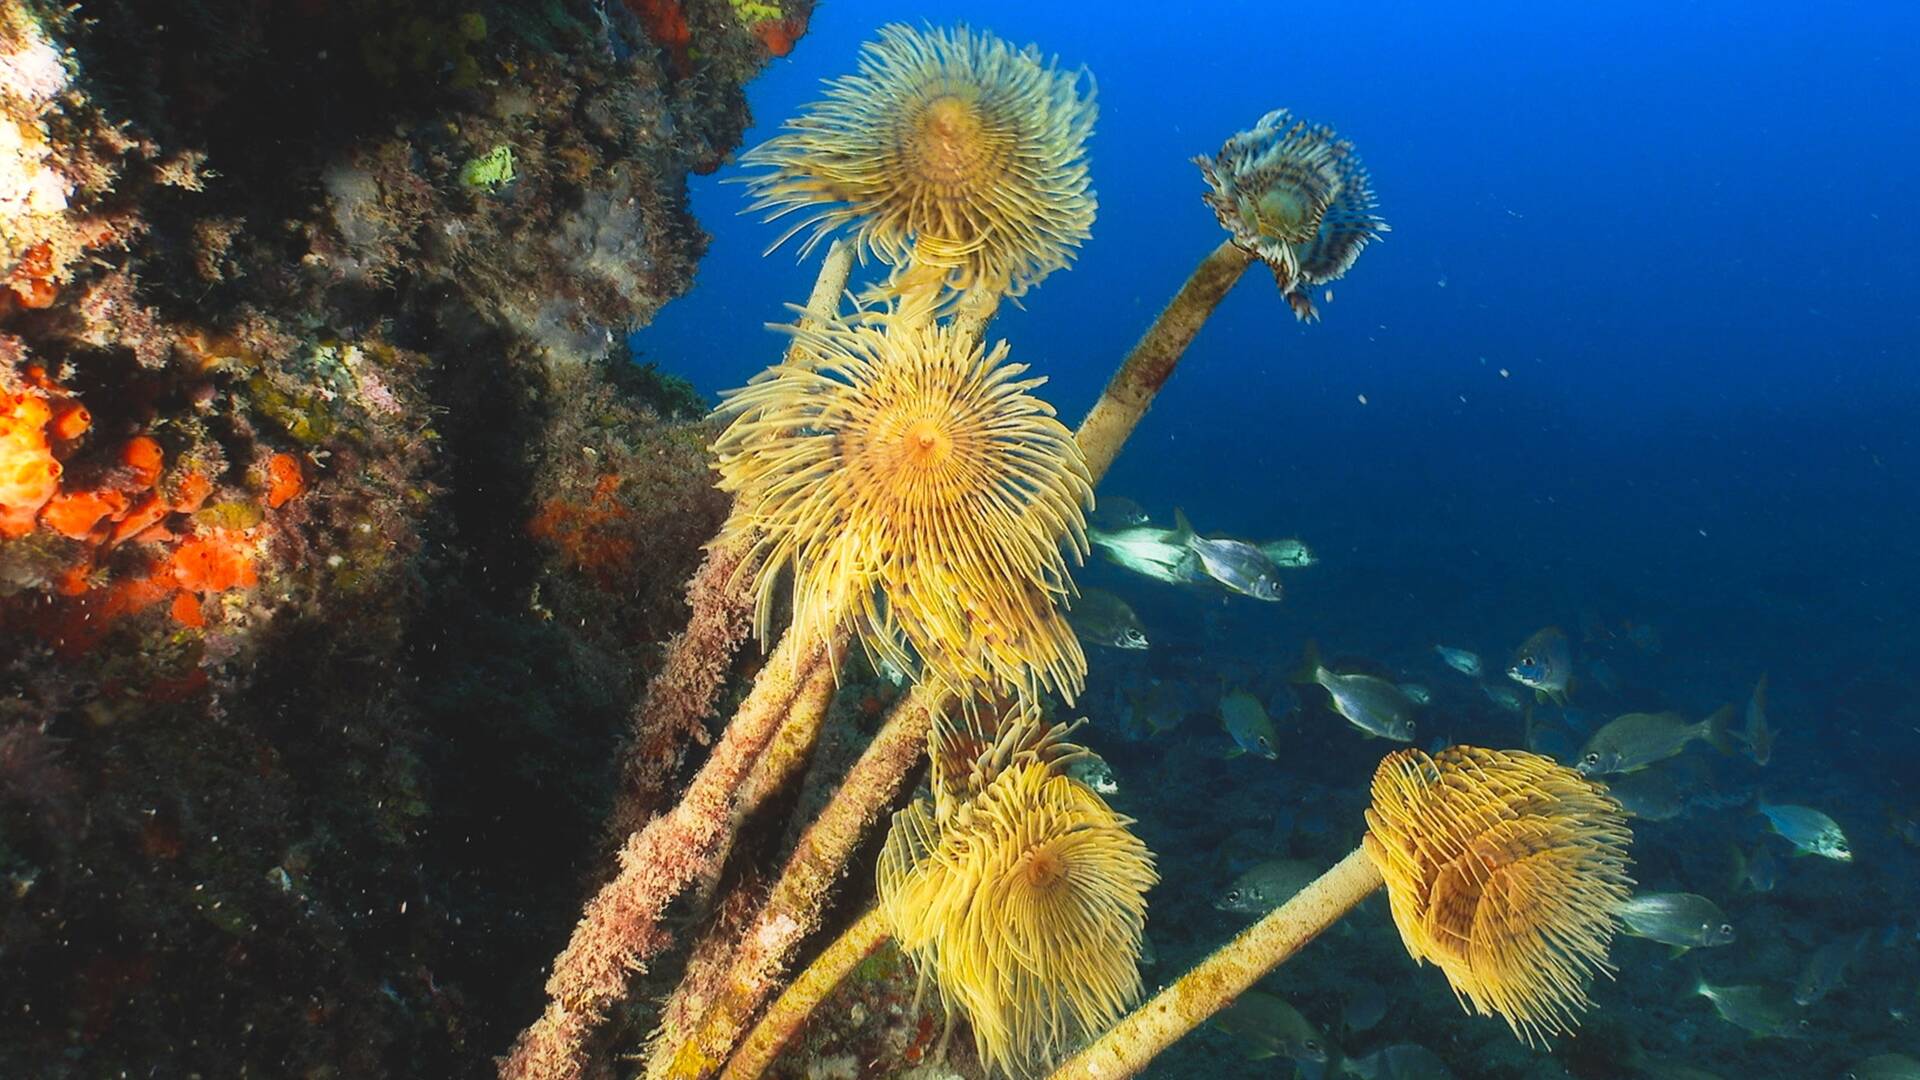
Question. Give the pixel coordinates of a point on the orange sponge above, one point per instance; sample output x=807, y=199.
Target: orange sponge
x=29, y=475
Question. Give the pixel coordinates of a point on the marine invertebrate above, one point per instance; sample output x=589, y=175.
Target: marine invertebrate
x=682, y=693
x=918, y=488
x=1016, y=887
x=1026, y=910
x=793, y=909
x=949, y=149
x=1503, y=868
x=620, y=930
x=29, y=473
x=1296, y=197
x=1336, y=198
x=1506, y=871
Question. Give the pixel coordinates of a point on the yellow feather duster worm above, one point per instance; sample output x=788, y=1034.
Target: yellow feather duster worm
x=1507, y=871
x=949, y=149
x=917, y=487
x=1295, y=197
x=1026, y=906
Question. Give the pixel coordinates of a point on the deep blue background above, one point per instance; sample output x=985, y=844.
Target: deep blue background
x=1641, y=344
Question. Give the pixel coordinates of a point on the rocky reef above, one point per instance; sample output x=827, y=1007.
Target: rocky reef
x=338, y=529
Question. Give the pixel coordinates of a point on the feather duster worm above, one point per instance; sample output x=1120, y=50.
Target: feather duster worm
x=1295, y=197
x=914, y=484
x=1505, y=870
x=1025, y=906
x=949, y=149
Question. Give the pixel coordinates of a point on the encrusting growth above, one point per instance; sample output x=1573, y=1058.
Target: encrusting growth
x=1504, y=868
x=621, y=929
x=950, y=154
x=795, y=904
x=681, y=694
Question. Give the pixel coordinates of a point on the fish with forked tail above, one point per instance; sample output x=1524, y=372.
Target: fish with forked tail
x=1270, y=1027
x=1117, y=512
x=1826, y=969
x=1238, y=565
x=1368, y=702
x=1632, y=742
x=1267, y=885
x=1244, y=718
x=1544, y=664
x=1288, y=553
x=1683, y=920
x=1756, y=733
x=1464, y=661
x=1101, y=618
x=1808, y=830
x=1765, y=1011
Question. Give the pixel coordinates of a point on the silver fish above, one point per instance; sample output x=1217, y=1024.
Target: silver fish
x=890, y=671
x=1270, y=1027
x=1101, y=618
x=1504, y=696
x=1291, y=554
x=1245, y=719
x=1634, y=741
x=1826, y=969
x=1808, y=830
x=1683, y=920
x=1236, y=564
x=1155, y=553
x=1463, y=661
x=1544, y=664
x=1159, y=708
x=1765, y=1011
x=1756, y=733
x=1645, y=638
x=1650, y=794
x=1759, y=873
x=1267, y=886
x=1368, y=702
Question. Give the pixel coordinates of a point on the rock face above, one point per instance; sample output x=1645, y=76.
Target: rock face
x=338, y=530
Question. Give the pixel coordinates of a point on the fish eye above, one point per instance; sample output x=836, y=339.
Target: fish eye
x=1726, y=929
x=1233, y=895
x=1806, y=1025
x=1312, y=1045
x=1264, y=743
x=1592, y=759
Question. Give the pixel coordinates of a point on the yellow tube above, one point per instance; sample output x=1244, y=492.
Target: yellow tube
x=681, y=694
x=1232, y=969
x=797, y=1002
x=793, y=908
x=798, y=898
x=1152, y=361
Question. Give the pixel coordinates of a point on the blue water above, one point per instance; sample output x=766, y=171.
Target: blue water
x=1640, y=350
